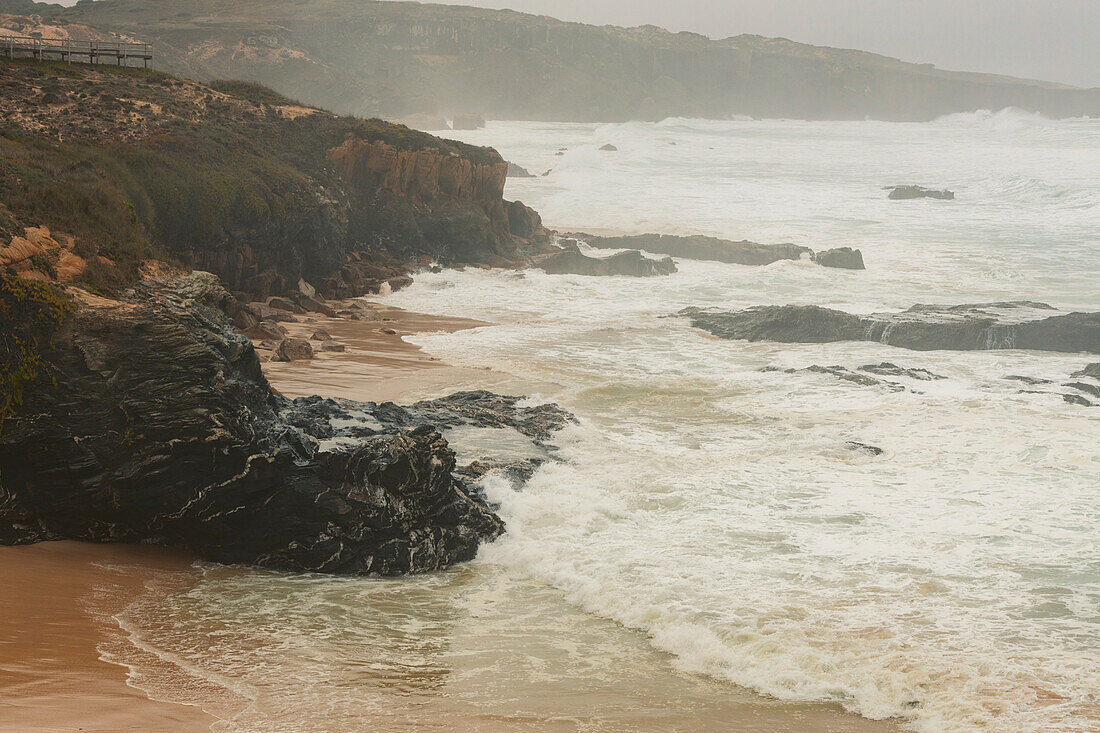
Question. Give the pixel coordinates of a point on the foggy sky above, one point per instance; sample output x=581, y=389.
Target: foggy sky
x=1054, y=40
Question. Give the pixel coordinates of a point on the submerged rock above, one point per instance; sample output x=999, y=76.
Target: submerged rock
x=1015, y=325
x=872, y=450
x=158, y=427
x=609, y=148
x=845, y=258
x=901, y=193
x=888, y=369
x=571, y=261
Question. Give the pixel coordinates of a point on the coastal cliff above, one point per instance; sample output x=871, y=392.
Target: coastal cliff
x=122, y=165
x=395, y=59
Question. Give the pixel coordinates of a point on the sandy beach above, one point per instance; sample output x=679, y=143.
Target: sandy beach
x=59, y=601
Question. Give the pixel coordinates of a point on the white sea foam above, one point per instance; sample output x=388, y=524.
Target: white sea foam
x=952, y=582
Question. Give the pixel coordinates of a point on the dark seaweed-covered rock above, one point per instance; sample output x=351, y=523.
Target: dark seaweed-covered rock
x=157, y=426
x=844, y=258
x=1015, y=325
x=901, y=193
x=887, y=369
x=1092, y=370
x=702, y=248
x=571, y=261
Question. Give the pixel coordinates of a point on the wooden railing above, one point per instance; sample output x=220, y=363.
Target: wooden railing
x=65, y=49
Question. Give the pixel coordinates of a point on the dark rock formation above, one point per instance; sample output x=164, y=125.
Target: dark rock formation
x=1074, y=399
x=1017, y=325
x=843, y=373
x=525, y=223
x=845, y=258
x=518, y=171
x=609, y=148
x=571, y=261
x=321, y=335
x=1092, y=370
x=702, y=248
x=157, y=426
x=887, y=369
x=864, y=448
x=293, y=350
x=902, y=193
x=333, y=346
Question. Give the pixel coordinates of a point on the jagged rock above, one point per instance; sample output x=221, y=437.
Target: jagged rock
x=314, y=305
x=571, y=261
x=468, y=122
x=1092, y=370
x=525, y=223
x=842, y=257
x=285, y=304
x=333, y=346
x=158, y=427
x=1074, y=399
x=887, y=369
x=518, y=171
x=899, y=193
x=321, y=335
x=244, y=320
x=265, y=312
x=266, y=330
x=306, y=289
x=864, y=448
x=1015, y=325
x=1091, y=389
x=1033, y=381
x=702, y=248
x=293, y=350
x=609, y=148
x=842, y=373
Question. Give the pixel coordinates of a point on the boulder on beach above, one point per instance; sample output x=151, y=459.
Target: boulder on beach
x=321, y=335
x=293, y=350
x=902, y=193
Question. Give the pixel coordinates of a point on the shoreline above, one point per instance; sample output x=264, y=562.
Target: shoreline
x=68, y=662
x=58, y=600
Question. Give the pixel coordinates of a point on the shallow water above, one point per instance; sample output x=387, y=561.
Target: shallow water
x=952, y=582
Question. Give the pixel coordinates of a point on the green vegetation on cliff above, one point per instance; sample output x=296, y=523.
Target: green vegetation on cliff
x=235, y=179
x=29, y=314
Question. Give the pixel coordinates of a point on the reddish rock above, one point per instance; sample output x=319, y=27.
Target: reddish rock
x=293, y=350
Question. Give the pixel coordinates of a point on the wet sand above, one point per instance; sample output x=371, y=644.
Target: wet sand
x=56, y=603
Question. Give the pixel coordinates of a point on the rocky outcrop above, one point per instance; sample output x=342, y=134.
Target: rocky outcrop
x=518, y=171
x=158, y=427
x=902, y=193
x=698, y=247
x=1015, y=325
x=525, y=223
x=1092, y=370
x=571, y=261
x=844, y=258
x=293, y=350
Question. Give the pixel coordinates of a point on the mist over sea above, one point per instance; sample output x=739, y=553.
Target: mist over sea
x=708, y=529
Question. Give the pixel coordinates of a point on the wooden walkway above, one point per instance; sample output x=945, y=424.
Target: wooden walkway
x=66, y=49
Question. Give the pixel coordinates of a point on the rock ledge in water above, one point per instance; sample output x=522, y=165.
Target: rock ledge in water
x=571, y=261
x=903, y=193
x=987, y=326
